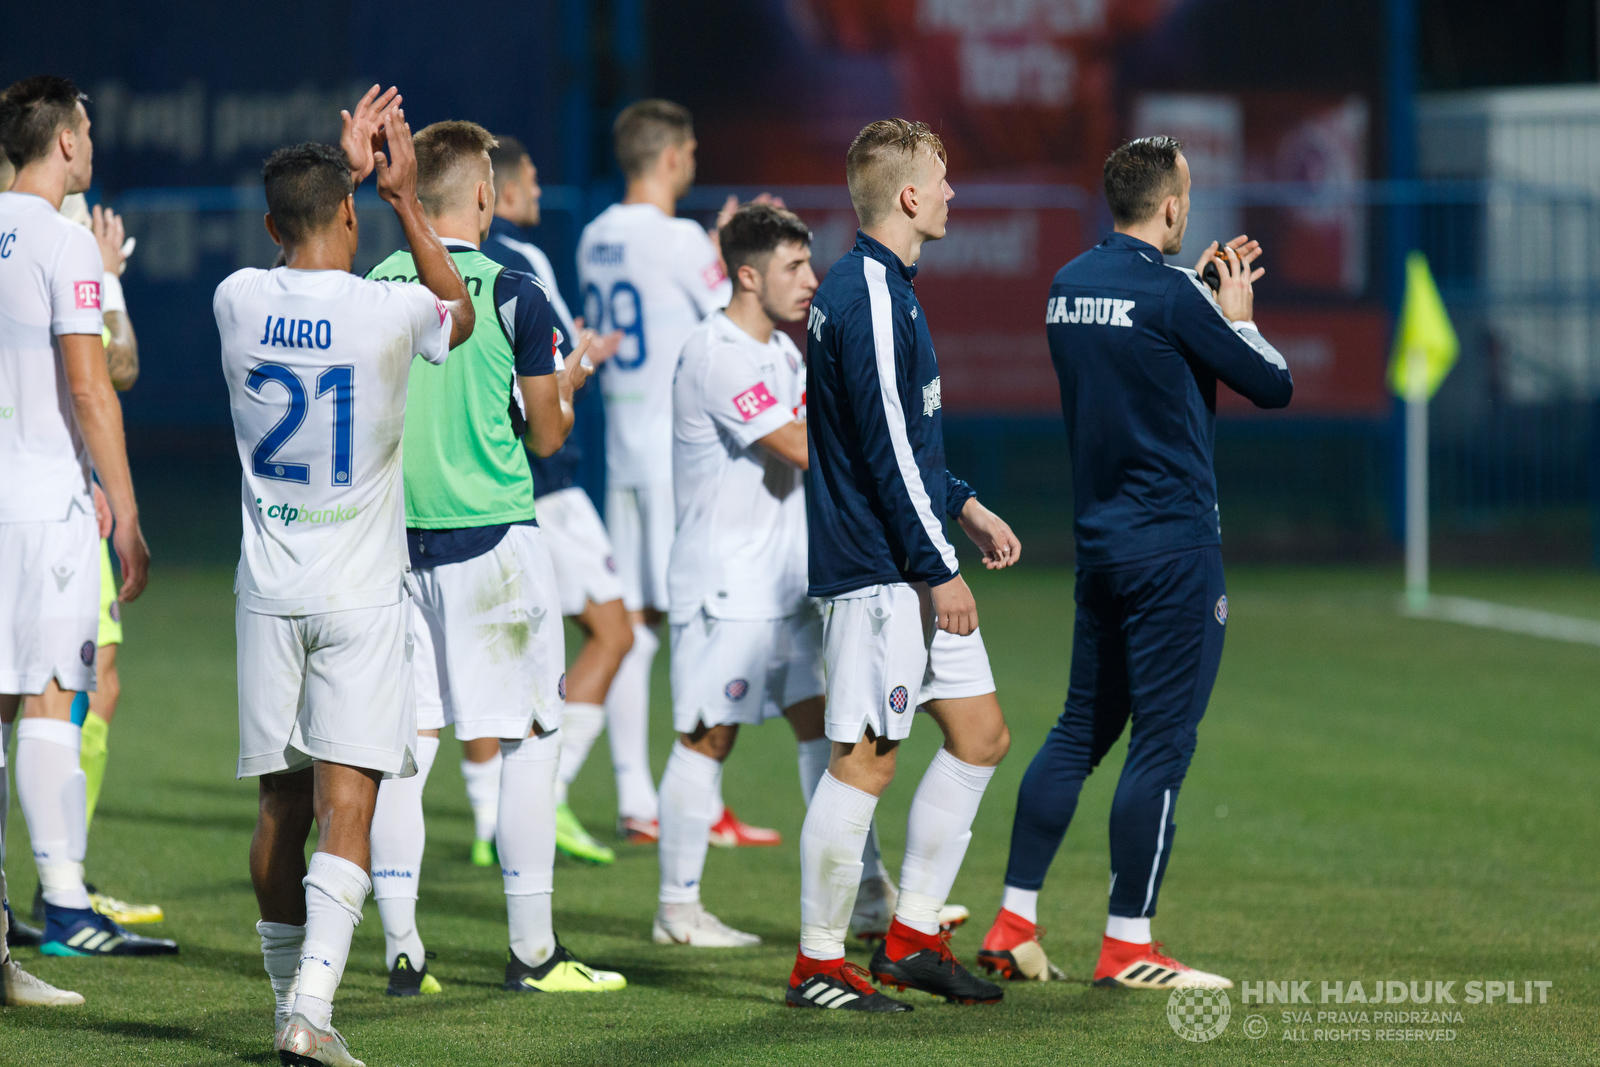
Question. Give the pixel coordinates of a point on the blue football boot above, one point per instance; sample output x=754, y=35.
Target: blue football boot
x=85, y=932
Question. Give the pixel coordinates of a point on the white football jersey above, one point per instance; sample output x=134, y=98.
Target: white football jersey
x=50, y=271
x=654, y=277
x=740, y=552
x=317, y=363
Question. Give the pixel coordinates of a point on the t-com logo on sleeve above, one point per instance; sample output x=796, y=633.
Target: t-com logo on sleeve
x=753, y=401
x=87, y=295
x=1098, y=310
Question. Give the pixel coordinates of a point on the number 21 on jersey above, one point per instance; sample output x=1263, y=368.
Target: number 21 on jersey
x=602, y=314
x=340, y=381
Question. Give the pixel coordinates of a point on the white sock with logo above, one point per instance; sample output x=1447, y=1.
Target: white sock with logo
x=830, y=865
x=335, y=891
x=628, y=724
x=483, y=793
x=527, y=842
x=938, y=831
x=688, y=802
x=399, y=836
x=580, y=729
x=280, y=953
x=52, y=788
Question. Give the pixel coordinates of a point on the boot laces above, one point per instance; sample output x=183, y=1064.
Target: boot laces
x=856, y=977
x=1164, y=959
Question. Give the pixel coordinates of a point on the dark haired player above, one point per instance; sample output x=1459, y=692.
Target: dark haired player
x=746, y=643
x=580, y=548
x=316, y=362
x=1139, y=347
x=53, y=374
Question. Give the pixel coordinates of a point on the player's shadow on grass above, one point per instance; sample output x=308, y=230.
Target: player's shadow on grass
x=243, y=821
x=212, y=1039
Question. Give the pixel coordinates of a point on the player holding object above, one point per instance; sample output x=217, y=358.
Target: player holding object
x=1139, y=347
x=585, y=565
x=746, y=642
x=653, y=277
x=490, y=647
x=315, y=360
x=877, y=496
x=53, y=375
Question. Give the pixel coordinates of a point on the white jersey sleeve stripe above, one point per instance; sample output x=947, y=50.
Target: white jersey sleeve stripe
x=894, y=412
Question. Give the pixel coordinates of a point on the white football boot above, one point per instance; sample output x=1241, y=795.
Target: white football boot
x=303, y=1045
x=698, y=929
x=23, y=990
x=874, y=910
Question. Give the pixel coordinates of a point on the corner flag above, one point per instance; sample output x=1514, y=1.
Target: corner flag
x=1425, y=345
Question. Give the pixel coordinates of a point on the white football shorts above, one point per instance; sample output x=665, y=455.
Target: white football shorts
x=495, y=652
x=883, y=659
x=744, y=671
x=642, y=522
x=580, y=550
x=334, y=687
x=49, y=604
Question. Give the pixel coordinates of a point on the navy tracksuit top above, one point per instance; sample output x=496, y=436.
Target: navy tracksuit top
x=1139, y=347
x=877, y=491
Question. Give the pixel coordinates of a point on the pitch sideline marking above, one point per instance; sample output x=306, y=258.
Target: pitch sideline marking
x=1484, y=613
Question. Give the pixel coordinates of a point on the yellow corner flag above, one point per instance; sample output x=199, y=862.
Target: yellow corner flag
x=1425, y=345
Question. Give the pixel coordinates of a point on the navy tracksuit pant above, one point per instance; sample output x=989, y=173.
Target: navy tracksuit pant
x=1146, y=646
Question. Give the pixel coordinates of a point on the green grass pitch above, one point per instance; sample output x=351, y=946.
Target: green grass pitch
x=1374, y=798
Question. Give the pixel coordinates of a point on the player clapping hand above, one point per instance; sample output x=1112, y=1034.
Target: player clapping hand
x=359, y=133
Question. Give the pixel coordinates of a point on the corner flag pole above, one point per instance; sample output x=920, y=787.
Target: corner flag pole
x=1417, y=484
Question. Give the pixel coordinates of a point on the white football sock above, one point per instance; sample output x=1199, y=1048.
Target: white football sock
x=1023, y=903
x=527, y=842
x=628, y=723
x=580, y=729
x=483, y=793
x=335, y=891
x=1136, y=931
x=51, y=787
x=399, y=835
x=280, y=952
x=688, y=803
x=813, y=757
x=6, y=730
x=718, y=807
x=830, y=865
x=938, y=831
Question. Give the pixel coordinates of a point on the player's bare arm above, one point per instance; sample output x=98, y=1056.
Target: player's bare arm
x=991, y=534
x=789, y=444
x=549, y=415
x=122, y=351
x=99, y=415
x=397, y=184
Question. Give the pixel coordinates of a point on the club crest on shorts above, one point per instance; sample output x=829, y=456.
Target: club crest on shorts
x=561, y=686
x=1222, y=609
x=736, y=689
x=86, y=653
x=898, y=698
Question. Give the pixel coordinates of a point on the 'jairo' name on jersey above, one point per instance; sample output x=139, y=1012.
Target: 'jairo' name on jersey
x=1100, y=310
x=297, y=333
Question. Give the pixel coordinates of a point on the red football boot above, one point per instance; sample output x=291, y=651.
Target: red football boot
x=1011, y=949
x=1131, y=965
x=835, y=984
x=729, y=832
